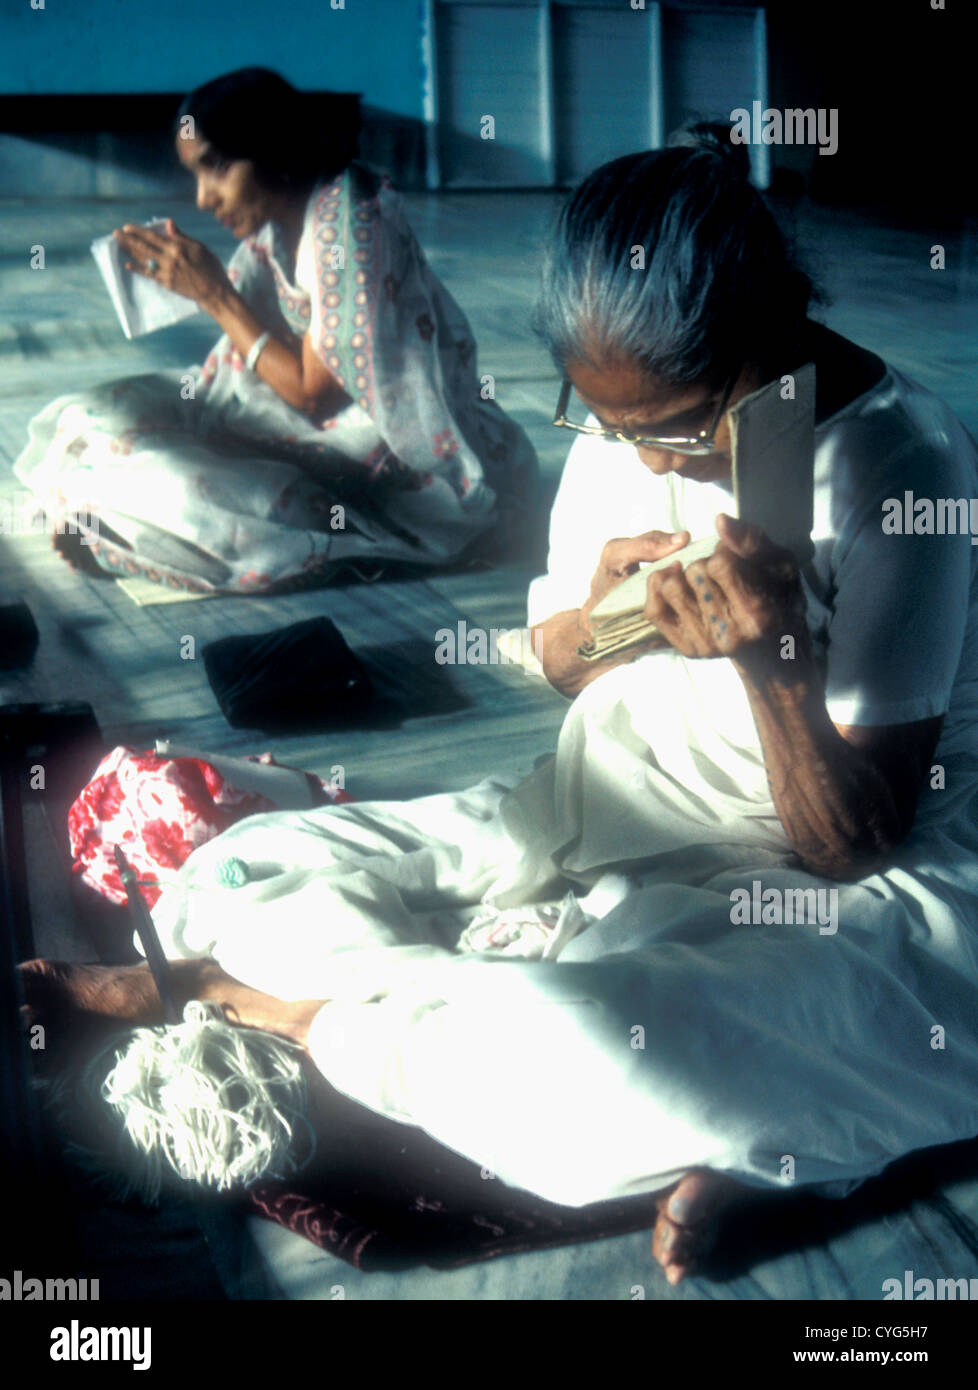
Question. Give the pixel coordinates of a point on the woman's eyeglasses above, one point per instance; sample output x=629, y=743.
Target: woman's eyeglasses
x=703, y=443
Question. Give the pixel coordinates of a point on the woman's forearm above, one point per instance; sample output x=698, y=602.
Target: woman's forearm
x=836, y=807
x=279, y=364
x=557, y=640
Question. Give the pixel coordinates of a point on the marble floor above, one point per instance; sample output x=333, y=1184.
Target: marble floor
x=442, y=728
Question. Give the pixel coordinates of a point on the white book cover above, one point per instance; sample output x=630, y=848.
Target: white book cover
x=142, y=305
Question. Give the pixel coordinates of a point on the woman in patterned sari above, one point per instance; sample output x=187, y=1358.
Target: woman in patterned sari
x=338, y=419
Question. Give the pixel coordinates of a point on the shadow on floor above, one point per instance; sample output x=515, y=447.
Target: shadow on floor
x=772, y=1226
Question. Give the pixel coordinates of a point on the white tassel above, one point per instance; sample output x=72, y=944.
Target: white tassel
x=219, y=1104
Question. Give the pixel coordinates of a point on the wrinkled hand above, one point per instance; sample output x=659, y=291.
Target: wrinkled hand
x=740, y=602
x=186, y=266
x=621, y=557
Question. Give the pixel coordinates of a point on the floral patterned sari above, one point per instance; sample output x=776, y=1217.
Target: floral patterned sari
x=208, y=481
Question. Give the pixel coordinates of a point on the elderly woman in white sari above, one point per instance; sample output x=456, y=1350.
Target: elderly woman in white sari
x=584, y=980
x=339, y=418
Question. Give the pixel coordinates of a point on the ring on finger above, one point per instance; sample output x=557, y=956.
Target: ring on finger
x=152, y=266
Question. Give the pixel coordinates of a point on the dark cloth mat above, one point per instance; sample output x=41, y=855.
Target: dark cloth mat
x=383, y=1195
x=18, y=636
x=301, y=676
x=452, y=1219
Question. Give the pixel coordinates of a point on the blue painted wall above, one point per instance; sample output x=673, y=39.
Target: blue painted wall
x=369, y=46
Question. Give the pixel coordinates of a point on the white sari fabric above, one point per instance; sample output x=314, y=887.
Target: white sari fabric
x=664, y=1029
x=207, y=480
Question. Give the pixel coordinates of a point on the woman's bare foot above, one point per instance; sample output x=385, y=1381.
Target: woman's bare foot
x=68, y=1008
x=59, y=989
x=75, y=1003
x=686, y=1226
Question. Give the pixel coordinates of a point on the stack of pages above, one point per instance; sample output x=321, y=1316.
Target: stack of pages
x=773, y=452
x=142, y=305
x=618, y=621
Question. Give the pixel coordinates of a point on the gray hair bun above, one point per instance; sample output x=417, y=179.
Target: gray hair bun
x=714, y=137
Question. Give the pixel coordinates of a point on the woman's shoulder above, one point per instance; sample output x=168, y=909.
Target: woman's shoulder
x=844, y=373
x=358, y=181
x=899, y=404
x=861, y=396
x=897, y=436
x=366, y=181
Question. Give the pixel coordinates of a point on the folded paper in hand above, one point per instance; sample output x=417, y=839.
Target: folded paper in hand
x=142, y=305
x=773, y=452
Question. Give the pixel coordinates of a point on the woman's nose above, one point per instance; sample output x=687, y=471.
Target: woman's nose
x=661, y=461
x=205, y=195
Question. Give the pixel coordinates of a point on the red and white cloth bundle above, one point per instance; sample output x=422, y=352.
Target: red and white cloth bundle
x=159, y=808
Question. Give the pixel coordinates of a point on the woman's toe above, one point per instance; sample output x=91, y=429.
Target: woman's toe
x=688, y=1220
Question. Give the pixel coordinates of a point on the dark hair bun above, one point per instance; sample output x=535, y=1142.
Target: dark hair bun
x=291, y=137
x=713, y=137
